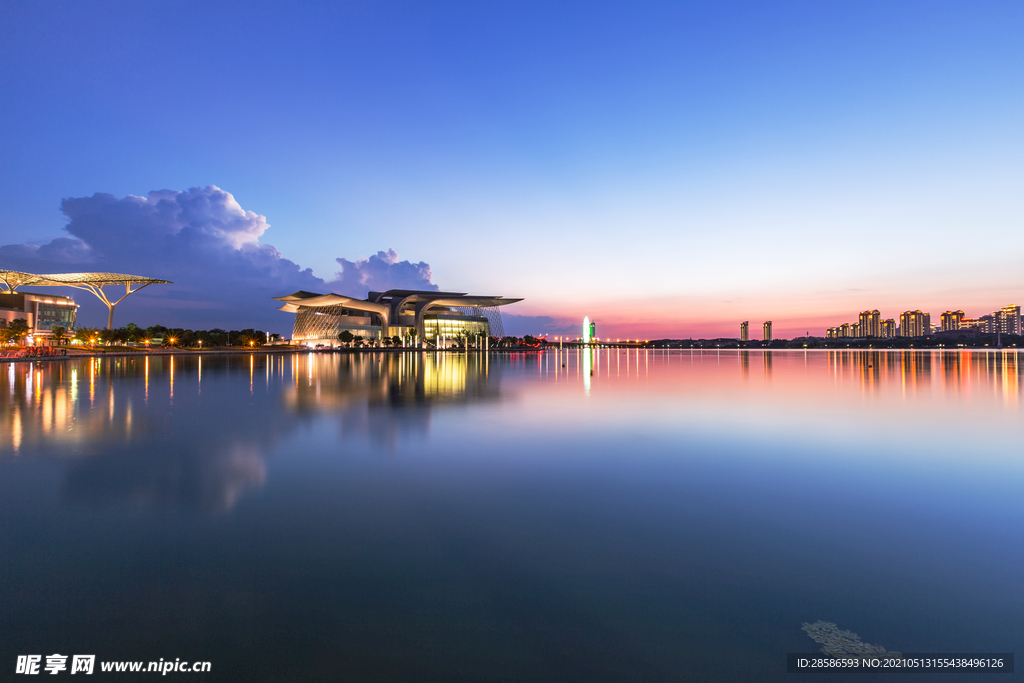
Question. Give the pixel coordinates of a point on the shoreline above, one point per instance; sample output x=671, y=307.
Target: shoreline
x=102, y=353
x=76, y=353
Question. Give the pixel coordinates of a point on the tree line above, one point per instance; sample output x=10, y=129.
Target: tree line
x=131, y=333
x=460, y=340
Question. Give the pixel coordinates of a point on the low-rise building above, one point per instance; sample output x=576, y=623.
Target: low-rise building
x=42, y=312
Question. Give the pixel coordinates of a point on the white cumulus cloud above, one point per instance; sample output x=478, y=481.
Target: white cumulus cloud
x=208, y=246
x=381, y=272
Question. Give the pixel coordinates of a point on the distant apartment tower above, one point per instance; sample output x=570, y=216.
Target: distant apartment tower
x=950, y=320
x=1007, y=320
x=745, y=331
x=870, y=324
x=767, y=330
x=888, y=328
x=915, y=324
x=832, y=333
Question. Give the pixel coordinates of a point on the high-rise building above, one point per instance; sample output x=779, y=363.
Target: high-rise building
x=986, y=324
x=1007, y=320
x=915, y=324
x=832, y=333
x=950, y=320
x=846, y=330
x=745, y=331
x=888, y=328
x=767, y=330
x=870, y=324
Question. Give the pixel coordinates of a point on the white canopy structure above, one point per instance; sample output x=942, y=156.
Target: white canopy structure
x=91, y=282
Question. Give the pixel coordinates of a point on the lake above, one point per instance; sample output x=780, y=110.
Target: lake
x=612, y=515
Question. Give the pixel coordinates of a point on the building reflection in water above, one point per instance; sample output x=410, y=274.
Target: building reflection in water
x=955, y=372
x=194, y=432
x=128, y=442
x=387, y=396
x=588, y=372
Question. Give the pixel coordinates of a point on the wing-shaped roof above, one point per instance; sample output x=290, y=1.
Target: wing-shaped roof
x=426, y=293
x=473, y=301
x=298, y=296
x=293, y=303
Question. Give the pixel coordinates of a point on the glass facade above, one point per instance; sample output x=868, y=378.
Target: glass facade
x=324, y=324
x=452, y=327
x=49, y=316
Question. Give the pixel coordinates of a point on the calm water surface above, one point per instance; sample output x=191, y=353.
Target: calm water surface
x=611, y=516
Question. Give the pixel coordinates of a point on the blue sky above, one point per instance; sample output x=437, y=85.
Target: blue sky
x=666, y=168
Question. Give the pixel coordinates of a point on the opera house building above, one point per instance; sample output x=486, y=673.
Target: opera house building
x=416, y=317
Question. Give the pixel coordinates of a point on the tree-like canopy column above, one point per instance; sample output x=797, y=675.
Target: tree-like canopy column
x=91, y=282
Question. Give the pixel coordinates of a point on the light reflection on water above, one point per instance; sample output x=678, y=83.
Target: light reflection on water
x=385, y=397
x=45, y=385
x=621, y=513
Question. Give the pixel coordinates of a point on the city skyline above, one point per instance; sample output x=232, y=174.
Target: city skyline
x=1006, y=320
x=744, y=162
